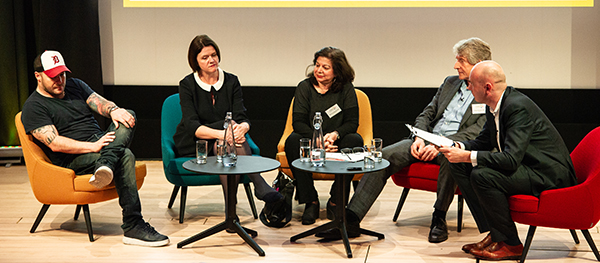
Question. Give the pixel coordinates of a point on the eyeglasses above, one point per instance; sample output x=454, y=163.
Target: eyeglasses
x=352, y=150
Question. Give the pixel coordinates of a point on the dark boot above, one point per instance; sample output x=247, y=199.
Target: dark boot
x=311, y=213
x=352, y=228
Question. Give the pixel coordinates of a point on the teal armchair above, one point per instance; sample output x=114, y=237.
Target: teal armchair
x=179, y=177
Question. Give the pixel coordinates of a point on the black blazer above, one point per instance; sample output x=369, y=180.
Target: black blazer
x=527, y=138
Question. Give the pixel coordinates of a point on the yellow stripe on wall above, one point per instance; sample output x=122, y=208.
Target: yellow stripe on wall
x=363, y=3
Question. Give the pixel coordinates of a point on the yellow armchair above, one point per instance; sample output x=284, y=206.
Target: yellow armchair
x=365, y=129
x=52, y=184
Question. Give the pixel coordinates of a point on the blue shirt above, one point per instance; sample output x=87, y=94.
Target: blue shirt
x=450, y=121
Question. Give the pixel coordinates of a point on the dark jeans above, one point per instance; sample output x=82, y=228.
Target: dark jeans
x=305, y=185
x=121, y=160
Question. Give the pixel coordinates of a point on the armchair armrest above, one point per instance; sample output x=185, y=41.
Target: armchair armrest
x=253, y=147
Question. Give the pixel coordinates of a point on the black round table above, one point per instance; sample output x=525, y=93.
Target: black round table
x=340, y=169
x=246, y=164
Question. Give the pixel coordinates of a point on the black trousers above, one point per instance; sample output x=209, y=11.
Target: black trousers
x=305, y=187
x=486, y=191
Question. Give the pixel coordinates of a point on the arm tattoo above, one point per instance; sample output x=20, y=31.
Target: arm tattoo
x=99, y=104
x=46, y=134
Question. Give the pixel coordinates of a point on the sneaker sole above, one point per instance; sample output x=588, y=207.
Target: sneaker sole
x=137, y=242
x=101, y=178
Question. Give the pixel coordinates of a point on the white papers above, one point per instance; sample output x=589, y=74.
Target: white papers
x=350, y=157
x=430, y=137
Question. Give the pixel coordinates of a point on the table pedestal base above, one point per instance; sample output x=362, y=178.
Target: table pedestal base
x=245, y=233
x=231, y=222
x=341, y=225
x=340, y=220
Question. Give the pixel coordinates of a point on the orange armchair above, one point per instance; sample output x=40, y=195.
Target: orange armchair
x=365, y=129
x=52, y=184
x=575, y=207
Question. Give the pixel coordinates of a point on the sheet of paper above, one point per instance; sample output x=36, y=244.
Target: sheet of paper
x=351, y=157
x=430, y=137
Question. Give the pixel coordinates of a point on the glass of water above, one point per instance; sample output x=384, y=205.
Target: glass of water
x=305, y=150
x=377, y=152
x=220, y=150
x=201, y=151
x=369, y=159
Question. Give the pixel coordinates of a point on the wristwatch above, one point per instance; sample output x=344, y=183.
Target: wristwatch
x=112, y=109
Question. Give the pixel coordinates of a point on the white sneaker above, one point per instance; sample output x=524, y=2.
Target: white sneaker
x=102, y=177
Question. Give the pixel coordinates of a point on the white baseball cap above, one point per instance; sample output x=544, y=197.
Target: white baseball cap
x=51, y=63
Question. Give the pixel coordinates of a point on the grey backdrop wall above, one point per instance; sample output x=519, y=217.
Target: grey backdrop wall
x=400, y=56
x=388, y=47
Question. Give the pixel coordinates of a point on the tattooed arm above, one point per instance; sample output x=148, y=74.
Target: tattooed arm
x=110, y=110
x=49, y=136
x=100, y=105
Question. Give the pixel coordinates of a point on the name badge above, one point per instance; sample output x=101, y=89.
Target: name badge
x=334, y=110
x=478, y=108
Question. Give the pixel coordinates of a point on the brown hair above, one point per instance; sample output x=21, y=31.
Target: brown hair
x=198, y=43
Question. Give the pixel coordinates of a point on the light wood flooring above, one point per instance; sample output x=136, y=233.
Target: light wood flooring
x=61, y=239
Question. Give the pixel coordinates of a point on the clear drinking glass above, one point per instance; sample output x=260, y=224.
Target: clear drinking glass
x=369, y=160
x=220, y=150
x=305, y=150
x=201, y=151
x=377, y=153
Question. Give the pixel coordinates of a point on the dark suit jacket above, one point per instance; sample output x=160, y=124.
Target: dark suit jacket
x=527, y=138
x=470, y=125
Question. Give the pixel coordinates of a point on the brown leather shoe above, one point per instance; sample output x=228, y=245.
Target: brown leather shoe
x=479, y=245
x=479, y=252
x=502, y=251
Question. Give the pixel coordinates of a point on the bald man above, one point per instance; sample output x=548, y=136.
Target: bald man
x=518, y=151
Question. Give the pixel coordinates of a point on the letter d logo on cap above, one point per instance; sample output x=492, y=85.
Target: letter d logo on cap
x=53, y=63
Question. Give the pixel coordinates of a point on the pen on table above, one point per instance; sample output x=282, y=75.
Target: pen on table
x=349, y=159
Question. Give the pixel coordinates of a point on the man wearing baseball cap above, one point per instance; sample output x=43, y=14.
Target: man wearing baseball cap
x=59, y=115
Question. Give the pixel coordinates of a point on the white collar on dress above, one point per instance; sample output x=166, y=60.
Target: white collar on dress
x=207, y=87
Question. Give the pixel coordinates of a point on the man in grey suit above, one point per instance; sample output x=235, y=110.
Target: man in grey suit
x=451, y=114
x=531, y=157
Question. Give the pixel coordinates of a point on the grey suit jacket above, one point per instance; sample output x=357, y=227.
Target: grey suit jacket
x=471, y=124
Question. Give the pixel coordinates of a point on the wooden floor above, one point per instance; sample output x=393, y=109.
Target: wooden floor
x=61, y=239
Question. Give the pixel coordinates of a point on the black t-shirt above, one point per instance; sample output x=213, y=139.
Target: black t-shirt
x=71, y=116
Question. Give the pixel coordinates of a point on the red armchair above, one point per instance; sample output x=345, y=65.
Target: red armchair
x=576, y=207
x=422, y=176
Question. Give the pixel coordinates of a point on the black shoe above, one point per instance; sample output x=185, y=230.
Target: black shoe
x=311, y=213
x=330, y=210
x=352, y=228
x=438, y=230
x=144, y=235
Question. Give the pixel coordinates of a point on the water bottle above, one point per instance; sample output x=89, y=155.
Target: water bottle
x=230, y=153
x=317, y=147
